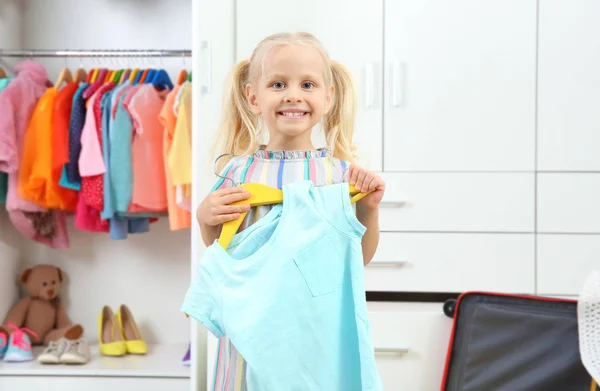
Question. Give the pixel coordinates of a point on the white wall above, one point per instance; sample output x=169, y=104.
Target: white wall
x=11, y=17
x=11, y=13
x=149, y=272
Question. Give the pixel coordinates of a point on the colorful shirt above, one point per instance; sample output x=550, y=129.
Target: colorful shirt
x=78, y=112
x=17, y=103
x=178, y=217
x=292, y=298
x=276, y=169
x=149, y=186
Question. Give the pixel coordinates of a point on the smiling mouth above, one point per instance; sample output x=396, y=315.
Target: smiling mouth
x=293, y=114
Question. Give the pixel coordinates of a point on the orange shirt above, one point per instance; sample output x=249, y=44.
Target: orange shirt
x=178, y=218
x=46, y=150
x=35, y=170
x=57, y=196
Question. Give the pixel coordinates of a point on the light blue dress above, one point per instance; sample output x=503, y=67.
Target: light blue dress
x=290, y=294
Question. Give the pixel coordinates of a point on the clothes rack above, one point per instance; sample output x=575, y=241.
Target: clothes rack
x=94, y=53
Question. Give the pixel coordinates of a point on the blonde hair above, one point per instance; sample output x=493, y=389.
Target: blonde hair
x=239, y=128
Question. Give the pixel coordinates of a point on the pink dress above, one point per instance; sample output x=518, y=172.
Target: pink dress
x=17, y=103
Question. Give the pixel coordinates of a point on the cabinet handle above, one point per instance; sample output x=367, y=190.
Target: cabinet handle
x=207, y=87
x=392, y=350
x=396, y=86
x=369, y=84
x=392, y=204
x=389, y=263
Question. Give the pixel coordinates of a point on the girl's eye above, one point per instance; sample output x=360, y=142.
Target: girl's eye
x=278, y=85
x=45, y=283
x=307, y=85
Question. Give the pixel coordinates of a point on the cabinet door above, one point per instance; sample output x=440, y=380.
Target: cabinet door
x=569, y=86
x=460, y=85
x=351, y=32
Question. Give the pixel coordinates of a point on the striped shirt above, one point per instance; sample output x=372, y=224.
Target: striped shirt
x=276, y=169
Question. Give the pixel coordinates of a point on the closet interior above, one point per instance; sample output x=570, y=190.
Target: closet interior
x=143, y=263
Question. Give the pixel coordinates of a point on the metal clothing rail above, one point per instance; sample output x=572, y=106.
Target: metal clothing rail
x=94, y=53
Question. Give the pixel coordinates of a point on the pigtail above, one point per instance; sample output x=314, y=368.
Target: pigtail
x=237, y=134
x=339, y=122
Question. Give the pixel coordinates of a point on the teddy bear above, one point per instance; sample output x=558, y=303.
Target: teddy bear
x=42, y=312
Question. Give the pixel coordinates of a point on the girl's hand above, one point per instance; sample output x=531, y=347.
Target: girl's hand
x=215, y=209
x=364, y=181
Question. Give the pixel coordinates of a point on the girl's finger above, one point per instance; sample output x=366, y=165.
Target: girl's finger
x=359, y=181
x=370, y=183
x=353, y=175
x=235, y=197
x=226, y=209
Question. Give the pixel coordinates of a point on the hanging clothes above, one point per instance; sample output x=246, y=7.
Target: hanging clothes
x=322, y=341
x=149, y=185
x=17, y=103
x=4, y=176
x=180, y=158
x=96, y=149
x=179, y=218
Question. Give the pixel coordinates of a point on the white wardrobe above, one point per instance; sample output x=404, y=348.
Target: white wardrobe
x=148, y=272
x=481, y=117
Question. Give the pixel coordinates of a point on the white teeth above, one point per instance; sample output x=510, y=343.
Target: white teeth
x=292, y=114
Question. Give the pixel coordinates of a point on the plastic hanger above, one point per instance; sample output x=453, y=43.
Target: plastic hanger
x=133, y=74
x=2, y=73
x=65, y=76
x=124, y=76
x=109, y=76
x=183, y=75
x=90, y=75
x=264, y=195
x=138, y=77
x=80, y=75
x=117, y=76
x=89, y=91
x=161, y=79
x=149, y=76
x=143, y=77
x=94, y=75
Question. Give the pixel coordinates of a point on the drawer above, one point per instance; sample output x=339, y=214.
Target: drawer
x=568, y=203
x=565, y=261
x=410, y=346
x=452, y=262
x=458, y=202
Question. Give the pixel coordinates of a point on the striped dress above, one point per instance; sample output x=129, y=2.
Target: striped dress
x=276, y=169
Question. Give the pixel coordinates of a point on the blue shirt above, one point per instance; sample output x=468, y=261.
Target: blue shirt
x=289, y=292
x=119, y=226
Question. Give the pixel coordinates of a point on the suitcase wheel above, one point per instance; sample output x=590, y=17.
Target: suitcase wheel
x=449, y=307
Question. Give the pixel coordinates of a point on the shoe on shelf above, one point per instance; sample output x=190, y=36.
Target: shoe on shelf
x=19, y=345
x=187, y=358
x=77, y=352
x=133, y=338
x=3, y=344
x=52, y=353
x=110, y=337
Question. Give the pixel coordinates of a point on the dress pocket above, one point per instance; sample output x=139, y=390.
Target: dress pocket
x=320, y=266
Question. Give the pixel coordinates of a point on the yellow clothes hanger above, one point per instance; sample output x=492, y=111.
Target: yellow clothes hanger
x=263, y=195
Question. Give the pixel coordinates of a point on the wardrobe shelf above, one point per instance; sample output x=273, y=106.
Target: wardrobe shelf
x=162, y=361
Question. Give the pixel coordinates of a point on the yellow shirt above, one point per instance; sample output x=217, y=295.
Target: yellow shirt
x=180, y=155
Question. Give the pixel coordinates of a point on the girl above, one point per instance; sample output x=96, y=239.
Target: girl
x=288, y=86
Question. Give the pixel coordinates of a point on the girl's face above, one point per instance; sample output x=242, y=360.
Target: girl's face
x=291, y=95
